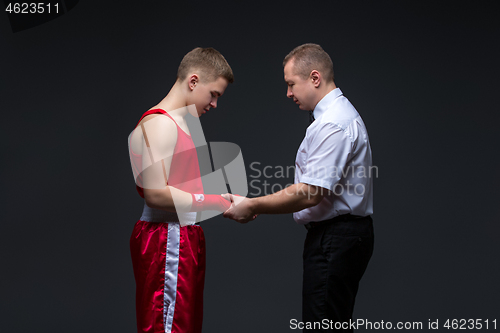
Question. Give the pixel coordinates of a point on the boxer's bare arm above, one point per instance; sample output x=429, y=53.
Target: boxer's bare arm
x=158, y=140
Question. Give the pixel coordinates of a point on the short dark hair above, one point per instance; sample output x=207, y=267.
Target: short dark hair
x=309, y=57
x=209, y=62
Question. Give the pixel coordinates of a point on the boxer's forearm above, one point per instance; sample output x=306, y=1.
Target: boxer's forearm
x=164, y=199
x=174, y=200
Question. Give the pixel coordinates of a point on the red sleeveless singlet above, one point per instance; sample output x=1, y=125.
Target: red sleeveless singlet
x=184, y=169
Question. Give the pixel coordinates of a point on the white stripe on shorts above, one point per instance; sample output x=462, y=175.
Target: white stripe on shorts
x=171, y=268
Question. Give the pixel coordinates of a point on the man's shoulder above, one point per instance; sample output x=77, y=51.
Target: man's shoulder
x=342, y=108
x=157, y=128
x=341, y=118
x=157, y=118
x=341, y=113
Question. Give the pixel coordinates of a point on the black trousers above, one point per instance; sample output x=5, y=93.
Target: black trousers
x=335, y=258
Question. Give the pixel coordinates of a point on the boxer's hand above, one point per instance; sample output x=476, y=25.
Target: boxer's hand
x=240, y=210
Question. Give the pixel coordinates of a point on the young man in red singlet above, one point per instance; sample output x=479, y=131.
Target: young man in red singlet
x=168, y=248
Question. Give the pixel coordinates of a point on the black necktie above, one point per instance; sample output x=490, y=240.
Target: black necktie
x=311, y=117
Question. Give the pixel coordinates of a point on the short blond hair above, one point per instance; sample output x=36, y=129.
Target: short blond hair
x=208, y=62
x=309, y=57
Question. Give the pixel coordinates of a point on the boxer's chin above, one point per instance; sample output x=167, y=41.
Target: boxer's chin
x=195, y=111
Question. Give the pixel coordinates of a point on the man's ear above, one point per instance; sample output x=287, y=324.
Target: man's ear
x=193, y=81
x=315, y=77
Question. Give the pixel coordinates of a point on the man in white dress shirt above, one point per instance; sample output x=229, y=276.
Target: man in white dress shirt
x=332, y=194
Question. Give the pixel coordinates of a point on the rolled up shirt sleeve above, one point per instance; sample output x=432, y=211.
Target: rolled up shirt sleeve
x=328, y=151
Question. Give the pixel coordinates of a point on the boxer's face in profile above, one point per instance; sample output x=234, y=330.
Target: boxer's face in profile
x=206, y=95
x=300, y=90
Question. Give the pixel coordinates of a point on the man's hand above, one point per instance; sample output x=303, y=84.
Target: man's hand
x=240, y=210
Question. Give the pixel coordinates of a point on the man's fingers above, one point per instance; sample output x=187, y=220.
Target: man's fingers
x=233, y=204
x=227, y=196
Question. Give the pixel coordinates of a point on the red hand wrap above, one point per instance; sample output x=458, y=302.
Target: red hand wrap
x=209, y=202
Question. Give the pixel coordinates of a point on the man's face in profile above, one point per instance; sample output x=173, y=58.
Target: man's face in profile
x=206, y=95
x=299, y=89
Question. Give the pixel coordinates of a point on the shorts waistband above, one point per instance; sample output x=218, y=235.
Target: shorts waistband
x=157, y=215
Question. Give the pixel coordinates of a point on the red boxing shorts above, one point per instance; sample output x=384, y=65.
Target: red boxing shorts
x=169, y=269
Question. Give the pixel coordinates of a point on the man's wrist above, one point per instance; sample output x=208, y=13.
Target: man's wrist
x=253, y=205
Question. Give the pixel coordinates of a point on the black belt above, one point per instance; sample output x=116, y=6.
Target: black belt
x=340, y=218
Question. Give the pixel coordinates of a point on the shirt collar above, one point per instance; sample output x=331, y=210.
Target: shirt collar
x=325, y=102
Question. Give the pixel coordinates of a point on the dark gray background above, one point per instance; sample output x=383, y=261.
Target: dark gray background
x=424, y=78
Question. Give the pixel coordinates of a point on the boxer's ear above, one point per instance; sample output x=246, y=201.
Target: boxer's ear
x=193, y=81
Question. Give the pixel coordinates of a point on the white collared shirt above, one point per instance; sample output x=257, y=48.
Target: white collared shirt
x=336, y=155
